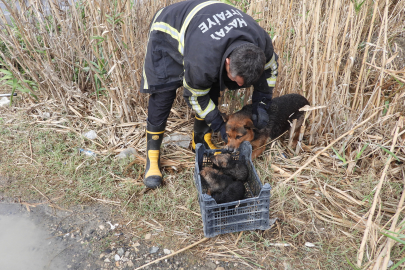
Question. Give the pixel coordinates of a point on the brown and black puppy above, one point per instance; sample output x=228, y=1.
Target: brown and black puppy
x=222, y=187
x=283, y=110
x=229, y=166
x=216, y=180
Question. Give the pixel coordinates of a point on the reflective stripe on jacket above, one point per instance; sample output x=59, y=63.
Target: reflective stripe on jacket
x=188, y=44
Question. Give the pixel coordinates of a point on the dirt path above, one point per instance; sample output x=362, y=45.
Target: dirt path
x=40, y=239
x=85, y=237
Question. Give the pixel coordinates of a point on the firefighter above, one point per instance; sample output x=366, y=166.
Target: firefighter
x=206, y=47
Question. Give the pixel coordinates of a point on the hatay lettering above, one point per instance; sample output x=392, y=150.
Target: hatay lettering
x=236, y=23
x=219, y=19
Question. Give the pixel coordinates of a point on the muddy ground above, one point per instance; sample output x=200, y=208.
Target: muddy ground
x=41, y=235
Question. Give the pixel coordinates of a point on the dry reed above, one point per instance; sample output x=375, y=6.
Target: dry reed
x=84, y=62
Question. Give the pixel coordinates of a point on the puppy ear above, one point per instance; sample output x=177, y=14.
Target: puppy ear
x=249, y=125
x=224, y=116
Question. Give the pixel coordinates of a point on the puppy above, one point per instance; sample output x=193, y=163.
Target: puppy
x=283, y=110
x=216, y=180
x=233, y=192
x=229, y=166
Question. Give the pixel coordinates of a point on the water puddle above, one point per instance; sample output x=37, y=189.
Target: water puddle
x=24, y=244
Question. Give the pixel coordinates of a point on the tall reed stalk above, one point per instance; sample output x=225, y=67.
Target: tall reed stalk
x=341, y=54
x=97, y=47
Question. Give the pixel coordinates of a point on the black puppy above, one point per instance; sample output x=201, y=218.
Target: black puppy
x=283, y=110
x=229, y=166
x=233, y=192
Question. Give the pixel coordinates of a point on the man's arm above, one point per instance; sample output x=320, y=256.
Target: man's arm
x=200, y=102
x=271, y=71
x=263, y=92
x=267, y=81
x=204, y=107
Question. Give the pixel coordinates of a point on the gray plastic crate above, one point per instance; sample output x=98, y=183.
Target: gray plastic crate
x=250, y=213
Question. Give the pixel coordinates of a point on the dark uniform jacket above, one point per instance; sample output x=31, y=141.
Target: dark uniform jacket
x=188, y=44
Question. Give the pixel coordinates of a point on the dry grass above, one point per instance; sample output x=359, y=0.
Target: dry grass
x=84, y=63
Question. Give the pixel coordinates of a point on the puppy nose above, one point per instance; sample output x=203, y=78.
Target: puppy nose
x=229, y=148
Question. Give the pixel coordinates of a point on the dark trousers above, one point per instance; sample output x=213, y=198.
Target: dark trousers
x=160, y=104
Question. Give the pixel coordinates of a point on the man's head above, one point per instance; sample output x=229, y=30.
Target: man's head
x=245, y=64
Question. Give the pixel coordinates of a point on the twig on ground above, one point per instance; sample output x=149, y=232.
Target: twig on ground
x=174, y=253
x=239, y=236
x=243, y=258
x=184, y=208
x=29, y=140
x=103, y=200
x=52, y=204
x=128, y=201
x=377, y=194
x=329, y=146
x=272, y=140
x=385, y=253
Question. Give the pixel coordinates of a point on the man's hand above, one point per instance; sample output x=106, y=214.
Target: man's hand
x=219, y=125
x=260, y=105
x=260, y=116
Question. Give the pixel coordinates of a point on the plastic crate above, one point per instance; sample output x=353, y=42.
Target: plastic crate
x=250, y=213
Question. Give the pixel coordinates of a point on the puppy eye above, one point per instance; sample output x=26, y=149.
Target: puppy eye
x=238, y=137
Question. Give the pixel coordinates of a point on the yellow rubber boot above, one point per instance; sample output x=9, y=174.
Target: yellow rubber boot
x=154, y=137
x=202, y=134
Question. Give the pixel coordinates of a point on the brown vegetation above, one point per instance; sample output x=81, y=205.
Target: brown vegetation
x=85, y=62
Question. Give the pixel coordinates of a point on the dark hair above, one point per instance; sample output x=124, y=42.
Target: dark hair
x=247, y=61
